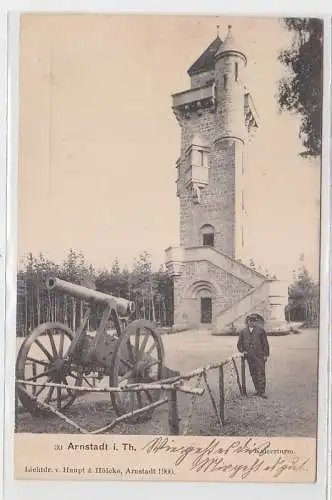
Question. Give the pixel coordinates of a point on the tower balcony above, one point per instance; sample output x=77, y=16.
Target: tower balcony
x=194, y=99
x=197, y=176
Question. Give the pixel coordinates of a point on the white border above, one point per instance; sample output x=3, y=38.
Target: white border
x=296, y=8
x=70, y=490
x=3, y=225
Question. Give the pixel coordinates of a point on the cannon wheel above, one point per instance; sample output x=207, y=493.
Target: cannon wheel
x=138, y=358
x=41, y=359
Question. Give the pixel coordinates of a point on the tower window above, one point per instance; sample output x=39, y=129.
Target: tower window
x=225, y=81
x=201, y=158
x=236, y=71
x=207, y=235
x=208, y=240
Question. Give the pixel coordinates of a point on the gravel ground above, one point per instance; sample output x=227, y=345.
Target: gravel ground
x=290, y=410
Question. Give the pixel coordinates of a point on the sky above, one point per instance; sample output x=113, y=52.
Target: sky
x=98, y=139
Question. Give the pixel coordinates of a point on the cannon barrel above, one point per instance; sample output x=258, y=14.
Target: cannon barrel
x=124, y=307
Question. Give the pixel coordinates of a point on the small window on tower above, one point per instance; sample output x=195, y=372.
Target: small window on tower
x=201, y=158
x=236, y=71
x=208, y=240
x=207, y=235
x=225, y=81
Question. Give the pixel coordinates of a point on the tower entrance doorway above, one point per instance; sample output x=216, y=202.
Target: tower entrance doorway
x=206, y=310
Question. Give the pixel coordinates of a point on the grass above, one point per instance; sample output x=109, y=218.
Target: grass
x=290, y=410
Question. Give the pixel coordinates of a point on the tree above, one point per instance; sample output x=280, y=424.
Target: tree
x=144, y=286
x=114, y=282
x=116, y=267
x=303, y=303
x=301, y=90
x=75, y=270
x=164, y=296
x=151, y=291
x=33, y=305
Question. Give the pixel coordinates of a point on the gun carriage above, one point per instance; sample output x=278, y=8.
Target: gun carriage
x=61, y=362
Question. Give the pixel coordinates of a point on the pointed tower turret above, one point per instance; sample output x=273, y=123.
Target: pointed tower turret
x=211, y=286
x=210, y=181
x=230, y=64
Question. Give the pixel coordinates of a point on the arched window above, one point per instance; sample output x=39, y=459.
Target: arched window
x=225, y=81
x=236, y=71
x=207, y=235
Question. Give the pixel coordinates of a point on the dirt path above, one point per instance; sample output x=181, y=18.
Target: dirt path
x=290, y=410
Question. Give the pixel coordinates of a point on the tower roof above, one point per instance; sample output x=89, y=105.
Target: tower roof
x=205, y=62
x=230, y=45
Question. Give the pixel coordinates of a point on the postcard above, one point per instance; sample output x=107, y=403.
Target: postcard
x=168, y=266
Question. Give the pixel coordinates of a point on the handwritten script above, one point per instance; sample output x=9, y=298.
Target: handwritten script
x=226, y=459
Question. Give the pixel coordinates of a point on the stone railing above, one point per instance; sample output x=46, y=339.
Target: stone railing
x=230, y=266
x=244, y=306
x=191, y=96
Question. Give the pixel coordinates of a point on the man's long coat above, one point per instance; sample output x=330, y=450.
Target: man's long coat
x=254, y=342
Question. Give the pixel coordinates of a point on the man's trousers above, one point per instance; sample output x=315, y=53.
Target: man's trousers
x=257, y=371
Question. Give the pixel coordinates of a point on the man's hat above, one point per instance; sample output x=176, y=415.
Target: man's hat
x=255, y=317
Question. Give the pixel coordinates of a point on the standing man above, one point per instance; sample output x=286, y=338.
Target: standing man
x=254, y=344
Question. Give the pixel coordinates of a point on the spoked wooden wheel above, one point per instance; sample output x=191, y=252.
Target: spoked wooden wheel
x=138, y=358
x=41, y=359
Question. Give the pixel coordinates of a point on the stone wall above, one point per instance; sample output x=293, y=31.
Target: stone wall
x=220, y=120
x=225, y=291
x=223, y=127
x=201, y=79
x=217, y=200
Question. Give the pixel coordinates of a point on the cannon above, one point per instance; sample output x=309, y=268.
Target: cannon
x=54, y=363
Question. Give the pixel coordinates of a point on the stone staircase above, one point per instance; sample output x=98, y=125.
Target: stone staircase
x=257, y=300
x=262, y=294
x=223, y=261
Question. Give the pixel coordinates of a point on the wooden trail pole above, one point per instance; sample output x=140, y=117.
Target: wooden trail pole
x=140, y=411
x=221, y=394
x=243, y=376
x=43, y=405
x=237, y=376
x=173, y=413
x=214, y=404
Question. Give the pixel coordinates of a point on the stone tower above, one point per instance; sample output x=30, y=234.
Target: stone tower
x=216, y=116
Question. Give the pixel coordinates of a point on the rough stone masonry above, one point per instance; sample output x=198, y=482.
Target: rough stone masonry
x=212, y=287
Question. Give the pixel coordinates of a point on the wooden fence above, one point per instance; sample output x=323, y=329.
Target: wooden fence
x=171, y=386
